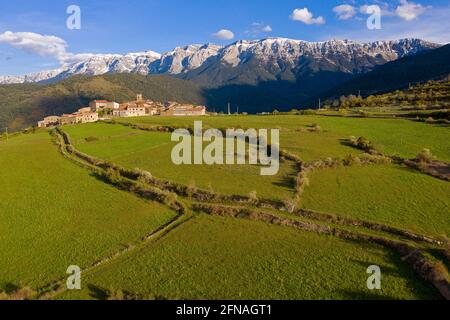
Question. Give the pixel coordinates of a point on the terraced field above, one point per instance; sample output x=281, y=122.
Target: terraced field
x=405, y=138
x=224, y=258
x=391, y=195
x=349, y=215
x=151, y=151
x=54, y=214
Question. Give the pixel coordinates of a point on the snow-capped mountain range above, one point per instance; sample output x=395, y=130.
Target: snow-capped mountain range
x=275, y=56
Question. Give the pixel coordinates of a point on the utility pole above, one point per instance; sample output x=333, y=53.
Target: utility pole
x=7, y=134
x=320, y=104
x=229, y=109
x=237, y=110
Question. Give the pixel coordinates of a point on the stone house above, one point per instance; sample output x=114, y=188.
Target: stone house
x=97, y=105
x=49, y=122
x=184, y=110
x=130, y=110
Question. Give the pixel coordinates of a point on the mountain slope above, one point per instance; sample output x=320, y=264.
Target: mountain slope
x=276, y=58
x=254, y=76
x=22, y=105
x=425, y=66
x=253, y=62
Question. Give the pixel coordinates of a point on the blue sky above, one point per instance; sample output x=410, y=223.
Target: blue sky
x=122, y=26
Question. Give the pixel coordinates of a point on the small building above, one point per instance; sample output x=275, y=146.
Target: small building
x=87, y=117
x=49, y=122
x=152, y=111
x=75, y=118
x=130, y=110
x=184, y=110
x=85, y=110
x=112, y=105
x=97, y=105
x=68, y=119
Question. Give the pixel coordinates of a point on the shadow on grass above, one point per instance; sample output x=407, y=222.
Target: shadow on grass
x=98, y=293
x=287, y=182
x=9, y=287
x=365, y=295
x=400, y=269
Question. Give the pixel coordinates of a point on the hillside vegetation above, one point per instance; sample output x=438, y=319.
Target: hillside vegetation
x=22, y=106
x=399, y=74
x=249, y=87
x=430, y=101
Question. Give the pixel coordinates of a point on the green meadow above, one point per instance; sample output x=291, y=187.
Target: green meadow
x=54, y=214
x=405, y=138
x=151, y=151
x=390, y=195
x=224, y=258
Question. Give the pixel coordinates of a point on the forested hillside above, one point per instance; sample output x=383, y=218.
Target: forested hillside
x=22, y=105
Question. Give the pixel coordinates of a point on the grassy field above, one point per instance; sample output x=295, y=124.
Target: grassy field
x=152, y=151
x=391, y=195
x=225, y=258
x=54, y=214
x=405, y=138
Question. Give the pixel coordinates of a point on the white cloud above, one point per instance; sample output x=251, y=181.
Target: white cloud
x=432, y=26
x=43, y=45
x=257, y=28
x=409, y=10
x=224, y=34
x=47, y=46
x=384, y=7
x=305, y=16
x=267, y=29
x=345, y=11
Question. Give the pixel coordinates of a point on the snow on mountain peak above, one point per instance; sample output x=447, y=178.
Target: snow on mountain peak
x=270, y=50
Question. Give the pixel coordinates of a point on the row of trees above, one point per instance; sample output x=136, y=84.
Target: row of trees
x=432, y=93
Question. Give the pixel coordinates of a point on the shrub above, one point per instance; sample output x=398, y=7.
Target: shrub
x=25, y=293
x=301, y=181
x=364, y=144
x=316, y=128
x=113, y=176
x=170, y=198
x=353, y=141
x=425, y=156
x=430, y=120
x=211, y=190
x=91, y=139
x=375, y=159
x=290, y=205
x=253, y=196
x=351, y=160
x=191, y=189
x=145, y=177
x=332, y=163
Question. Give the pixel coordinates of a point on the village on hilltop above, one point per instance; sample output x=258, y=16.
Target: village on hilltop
x=103, y=109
